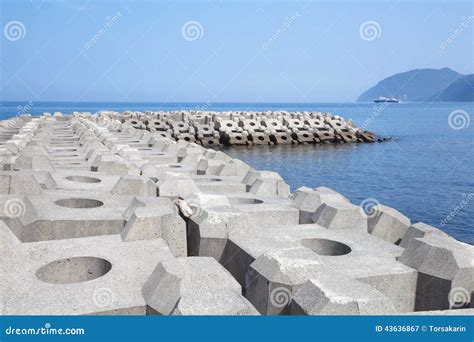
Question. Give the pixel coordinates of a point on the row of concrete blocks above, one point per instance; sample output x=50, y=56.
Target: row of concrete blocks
x=86, y=233
x=248, y=129
x=206, y=117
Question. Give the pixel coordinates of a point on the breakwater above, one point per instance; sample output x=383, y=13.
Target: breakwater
x=211, y=129
x=99, y=217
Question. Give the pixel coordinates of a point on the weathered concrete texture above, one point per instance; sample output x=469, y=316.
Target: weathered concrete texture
x=209, y=228
x=194, y=286
x=308, y=201
x=388, y=224
x=358, y=256
x=94, y=275
x=157, y=222
x=340, y=215
x=216, y=303
x=333, y=294
x=129, y=213
x=445, y=271
x=419, y=230
x=130, y=185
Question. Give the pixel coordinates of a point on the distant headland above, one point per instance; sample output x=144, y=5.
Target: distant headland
x=423, y=85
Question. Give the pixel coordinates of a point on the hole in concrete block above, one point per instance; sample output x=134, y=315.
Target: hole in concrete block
x=73, y=270
x=326, y=247
x=83, y=179
x=242, y=200
x=174, y=166
x=79, y=203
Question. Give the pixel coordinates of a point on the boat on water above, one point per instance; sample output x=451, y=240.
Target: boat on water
x=386, y=99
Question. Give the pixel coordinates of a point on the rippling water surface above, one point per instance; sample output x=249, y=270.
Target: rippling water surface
x=426, y=171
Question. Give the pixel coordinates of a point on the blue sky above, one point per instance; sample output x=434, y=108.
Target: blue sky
x=234, y=51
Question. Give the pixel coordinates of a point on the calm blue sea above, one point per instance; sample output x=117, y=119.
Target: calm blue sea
x=426, y=171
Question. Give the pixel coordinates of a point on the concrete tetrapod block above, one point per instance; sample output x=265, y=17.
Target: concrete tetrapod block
x=220, y=184
x=340, y=216
x=388, y=224
x=233, y=167
x=335, y=294
x=394, y=280
x=32, y=162
x=118, y=167
x=11, y=248
x=191, y=280
x=358, y=255
x=243, y=248
x=157, y=222
x=135, y=185
x=84, y=181
x=208, y=230
x=62, y=214
x=93, y=275
x=273, y=277
x=418, y=230
x=266, y=183
x=308, y=201
x=445, y=271
x=207, y=200
x=19, y=183
x=176, y=186
x=216, y=303
x=209, y=166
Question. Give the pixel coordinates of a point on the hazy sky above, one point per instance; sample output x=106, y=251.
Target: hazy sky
x=223, y=51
